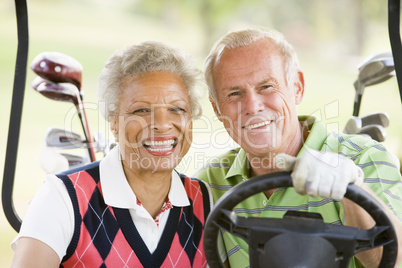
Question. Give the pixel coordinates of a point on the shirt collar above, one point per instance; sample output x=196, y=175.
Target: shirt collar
x=240, y=166
x=117, y=192
x=317, y=136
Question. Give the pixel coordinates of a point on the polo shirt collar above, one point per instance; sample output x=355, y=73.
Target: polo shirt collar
x=240, y=166
x=117, y=192
x=317, y=136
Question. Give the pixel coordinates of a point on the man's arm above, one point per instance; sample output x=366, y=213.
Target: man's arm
x=327, y=174
x=355, y=216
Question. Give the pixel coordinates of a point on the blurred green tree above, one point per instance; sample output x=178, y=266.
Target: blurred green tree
x=343, y=21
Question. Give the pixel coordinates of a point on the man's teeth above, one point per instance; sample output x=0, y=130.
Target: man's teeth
x=258, y=125
x=159, y=143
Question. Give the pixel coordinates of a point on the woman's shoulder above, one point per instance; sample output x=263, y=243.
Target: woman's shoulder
x=92, y=167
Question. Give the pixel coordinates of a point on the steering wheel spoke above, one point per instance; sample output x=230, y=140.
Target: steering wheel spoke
x=375, y=237
x=232, y=223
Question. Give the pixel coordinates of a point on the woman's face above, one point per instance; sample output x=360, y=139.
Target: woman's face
x=154, y=125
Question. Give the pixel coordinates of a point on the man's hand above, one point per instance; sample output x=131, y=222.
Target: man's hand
x=324, y=174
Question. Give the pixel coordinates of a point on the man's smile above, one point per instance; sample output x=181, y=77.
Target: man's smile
x=257, y=125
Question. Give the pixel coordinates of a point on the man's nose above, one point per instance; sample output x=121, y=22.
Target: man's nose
x=252, y=103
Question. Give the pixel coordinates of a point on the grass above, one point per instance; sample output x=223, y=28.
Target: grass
x=90, y=33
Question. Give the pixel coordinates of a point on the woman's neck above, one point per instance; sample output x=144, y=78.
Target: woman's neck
x=150, y=188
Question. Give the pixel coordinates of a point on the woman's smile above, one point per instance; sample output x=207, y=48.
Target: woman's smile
x=160, y=146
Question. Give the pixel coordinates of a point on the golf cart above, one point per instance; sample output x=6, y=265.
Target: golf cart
x=333, y=241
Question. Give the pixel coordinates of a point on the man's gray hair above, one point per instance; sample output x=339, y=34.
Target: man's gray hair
x=245, y=38
x=147, y=57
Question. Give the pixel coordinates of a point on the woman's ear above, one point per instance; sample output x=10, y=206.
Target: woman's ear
x=299, y=87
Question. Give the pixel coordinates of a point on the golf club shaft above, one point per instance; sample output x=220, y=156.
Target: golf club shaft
x=356, y=107
x=85, y=126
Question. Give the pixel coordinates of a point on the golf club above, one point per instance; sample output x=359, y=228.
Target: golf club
x=69, y=93
x=75, y=161
x=374, y=70
x=63, y=139
x=57, y=67
x=355, y=123
x=376, y=132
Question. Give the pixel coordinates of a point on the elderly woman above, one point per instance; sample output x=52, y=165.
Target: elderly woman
x=132, y=209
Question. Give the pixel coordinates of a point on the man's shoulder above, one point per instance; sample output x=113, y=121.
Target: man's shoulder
x=352, y=143
x=364, y=151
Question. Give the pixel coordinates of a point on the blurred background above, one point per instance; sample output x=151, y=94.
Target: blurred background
x=331, y=38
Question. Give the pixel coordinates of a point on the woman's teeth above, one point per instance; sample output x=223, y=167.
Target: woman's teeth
x=159, y=143
x=258, y=124
x=160, y=146
x=160, y=149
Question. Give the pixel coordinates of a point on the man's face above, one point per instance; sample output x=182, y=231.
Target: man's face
x=256, y=105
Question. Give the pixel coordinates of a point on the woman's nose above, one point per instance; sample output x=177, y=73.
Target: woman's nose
x=161, y=120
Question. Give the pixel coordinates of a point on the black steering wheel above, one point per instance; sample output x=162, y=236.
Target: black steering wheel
x=299, y=239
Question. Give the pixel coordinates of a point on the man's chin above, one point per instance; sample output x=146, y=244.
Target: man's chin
x=261, y=145
x=259, y=149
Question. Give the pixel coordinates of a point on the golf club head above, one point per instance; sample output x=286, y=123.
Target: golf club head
x=57, y=91
x=376, y=69
x=376, y=132
x=353, y=125
x=374, y=82
x=58, y=67
x=75, y=161
x=70, y=93
x=378, y=118
x=63, y=139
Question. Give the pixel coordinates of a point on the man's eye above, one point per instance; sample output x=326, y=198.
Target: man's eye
x=264, y=87
x=234, y=93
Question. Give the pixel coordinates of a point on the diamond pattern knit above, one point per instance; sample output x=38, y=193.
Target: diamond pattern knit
x=105, y=236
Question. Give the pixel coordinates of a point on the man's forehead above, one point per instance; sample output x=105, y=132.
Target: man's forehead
x=263, y=46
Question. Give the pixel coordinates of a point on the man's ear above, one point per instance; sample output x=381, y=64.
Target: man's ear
x=215, y=107
x=299, y=87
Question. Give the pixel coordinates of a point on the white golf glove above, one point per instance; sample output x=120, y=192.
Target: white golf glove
x=324, y=174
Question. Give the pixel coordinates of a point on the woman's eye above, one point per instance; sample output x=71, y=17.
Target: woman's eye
x=143, y=110
x=178, y=109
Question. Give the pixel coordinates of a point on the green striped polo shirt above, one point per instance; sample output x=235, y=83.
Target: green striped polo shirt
x=381, y=175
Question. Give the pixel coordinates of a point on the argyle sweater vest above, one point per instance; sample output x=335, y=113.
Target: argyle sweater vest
x=106, y=236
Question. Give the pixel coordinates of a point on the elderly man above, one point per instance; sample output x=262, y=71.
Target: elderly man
x=255, y=85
